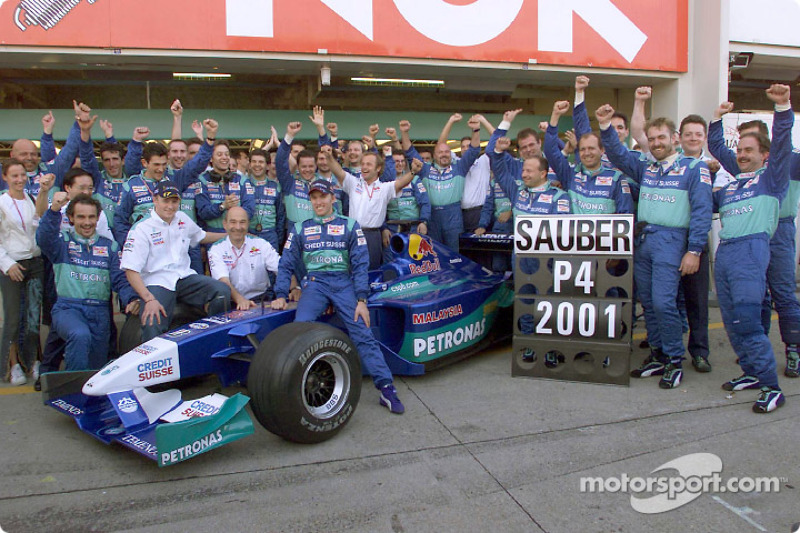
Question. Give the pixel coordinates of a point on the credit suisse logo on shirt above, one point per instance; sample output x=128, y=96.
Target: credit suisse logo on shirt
x=336, y=229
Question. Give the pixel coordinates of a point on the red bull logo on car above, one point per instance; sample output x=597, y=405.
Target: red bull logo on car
x=419, y=248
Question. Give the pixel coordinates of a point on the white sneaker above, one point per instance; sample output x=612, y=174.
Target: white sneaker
x=17, y=375
x=35, y=373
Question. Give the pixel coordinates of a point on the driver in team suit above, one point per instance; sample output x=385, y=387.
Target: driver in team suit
x=333, y=250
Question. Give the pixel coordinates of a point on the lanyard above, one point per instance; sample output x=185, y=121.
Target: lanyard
x=237, y=257
x=21, y=219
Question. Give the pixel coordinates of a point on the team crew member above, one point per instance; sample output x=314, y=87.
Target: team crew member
x=294, y=187
x=496, y=217
x=782, y=264
x=355, y=149
x=369, y=198
x=692, y=134
x=221, y=189
x=477, y=178
x=86, y=266
x=22, y=271
x=593, y=188
x=749, y=210
x=534, y=195
x=444, y=181
x=336, y=261
x=269, y=219
x=675, y=217
x=242, y=262
x=137, y=198
x=528, y=144
x=410, y=204
x=24, y=151
x=79, y=182
x=156, y=262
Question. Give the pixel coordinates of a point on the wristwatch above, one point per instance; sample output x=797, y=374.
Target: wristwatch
x=697, y=254
x=362, y=300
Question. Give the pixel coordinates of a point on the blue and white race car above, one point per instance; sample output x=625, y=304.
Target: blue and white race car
x=428, y=307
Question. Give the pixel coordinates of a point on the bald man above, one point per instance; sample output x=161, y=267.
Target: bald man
x=25, y=151
x=243, y=262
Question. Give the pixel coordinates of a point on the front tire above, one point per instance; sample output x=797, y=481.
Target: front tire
x=305, y=382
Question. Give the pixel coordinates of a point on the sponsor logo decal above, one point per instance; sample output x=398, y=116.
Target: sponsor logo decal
x=159, y=368
x=336, y=229
x=436, y=316
x=312, y=230
x=198, y=325
x=100, y=251
x=449, y=339
x=127, y=405
x=177, y=333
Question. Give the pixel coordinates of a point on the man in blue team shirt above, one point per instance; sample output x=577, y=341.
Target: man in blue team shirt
x=674, y=220
x=750, y=209
x=333, y=250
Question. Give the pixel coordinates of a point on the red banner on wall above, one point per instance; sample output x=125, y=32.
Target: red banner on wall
x=627, y=34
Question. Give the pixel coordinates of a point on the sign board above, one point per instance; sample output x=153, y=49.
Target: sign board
x=573, y=306
x=625, y=34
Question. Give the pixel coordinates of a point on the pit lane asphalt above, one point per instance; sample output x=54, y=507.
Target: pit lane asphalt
x=476, y=450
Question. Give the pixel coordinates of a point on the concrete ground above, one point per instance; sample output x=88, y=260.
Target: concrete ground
x=476, y=450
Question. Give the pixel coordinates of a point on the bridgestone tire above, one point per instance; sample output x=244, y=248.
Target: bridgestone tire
x=305, y=382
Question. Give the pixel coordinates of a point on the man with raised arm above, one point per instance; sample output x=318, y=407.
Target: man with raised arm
x=674, y=219
x=137, y=198
x=593, y=188
x=369, y=198
x=749, y=209
x=445, y=181
x=782, y=264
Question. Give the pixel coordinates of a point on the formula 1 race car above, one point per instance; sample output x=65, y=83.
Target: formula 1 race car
x=428, y=306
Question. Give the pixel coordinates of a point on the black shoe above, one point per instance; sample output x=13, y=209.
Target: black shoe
x=644, y=344
x=38, y=385
x=701, y=363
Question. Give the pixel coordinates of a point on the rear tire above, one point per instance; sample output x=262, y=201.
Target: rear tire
x=305, y=382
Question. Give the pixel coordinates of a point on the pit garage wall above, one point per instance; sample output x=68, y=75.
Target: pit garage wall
x=705, y=84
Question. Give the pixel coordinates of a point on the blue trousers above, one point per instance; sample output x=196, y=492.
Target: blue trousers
x=781, y=282
x=85, y=328
x=656, y=261
x=446, y=225
x=321, y=290
x=741, y=279
x=195, y=290
x=196, y=259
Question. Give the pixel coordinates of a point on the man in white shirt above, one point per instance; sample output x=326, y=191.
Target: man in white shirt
x=369, y=198
x=242, y=261
x=156, y=262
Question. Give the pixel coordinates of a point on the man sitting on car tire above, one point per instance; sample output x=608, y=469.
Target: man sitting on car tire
x=334, y=252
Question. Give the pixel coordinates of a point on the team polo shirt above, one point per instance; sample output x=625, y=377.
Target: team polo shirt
x=158, y=251
x=368, y=202
x=245, y=267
